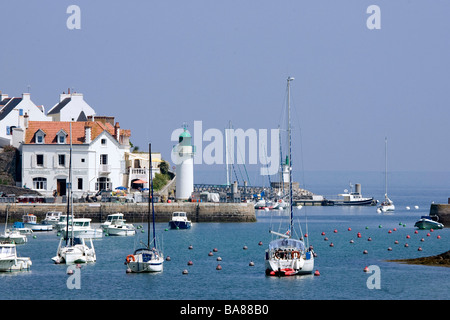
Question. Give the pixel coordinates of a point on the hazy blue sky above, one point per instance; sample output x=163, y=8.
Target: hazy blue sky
x=156, y=64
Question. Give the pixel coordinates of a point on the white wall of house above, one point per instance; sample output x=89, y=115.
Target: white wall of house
x=44, y=171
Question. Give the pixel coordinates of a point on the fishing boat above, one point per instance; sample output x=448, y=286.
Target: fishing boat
x=18, y=226
x=354, y=198
x=428, y=222
x=9, y=261
x=52, y=217
x=179, y=221
x=73, y=249
x=387, y=205
x=285, y=255
x=30, y=221
x=148, y=258
x=120, y=228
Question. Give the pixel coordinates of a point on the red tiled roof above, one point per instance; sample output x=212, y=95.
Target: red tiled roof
x=51, y=128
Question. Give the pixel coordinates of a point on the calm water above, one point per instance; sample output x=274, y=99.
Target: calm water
x=341, y=267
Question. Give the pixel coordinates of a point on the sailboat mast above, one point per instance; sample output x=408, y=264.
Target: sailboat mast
x=69, y=186
x=290, y=154
x=153, y=207
x=385, y=167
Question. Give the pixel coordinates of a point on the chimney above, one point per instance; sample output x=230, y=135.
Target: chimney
x=25, y=120
x=26, y=96
x=87, y=134
x=117, y=131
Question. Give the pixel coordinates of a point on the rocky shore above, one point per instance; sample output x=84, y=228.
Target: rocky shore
x=440, y=260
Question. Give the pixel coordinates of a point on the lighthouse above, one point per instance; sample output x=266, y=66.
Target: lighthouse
x=184, y=153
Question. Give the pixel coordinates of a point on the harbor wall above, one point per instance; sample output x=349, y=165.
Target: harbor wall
x=137, y=212
x=442, y=211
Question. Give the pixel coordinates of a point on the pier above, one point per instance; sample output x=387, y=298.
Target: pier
x=136, y=212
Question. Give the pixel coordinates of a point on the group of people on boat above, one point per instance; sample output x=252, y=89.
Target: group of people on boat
x=286, y=254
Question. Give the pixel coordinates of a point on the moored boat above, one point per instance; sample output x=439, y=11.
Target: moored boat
x=30, y=221
x=428, y=222
x=9, y=261
x=179, y=221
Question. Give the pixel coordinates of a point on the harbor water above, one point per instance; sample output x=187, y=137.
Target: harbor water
x=341, y=266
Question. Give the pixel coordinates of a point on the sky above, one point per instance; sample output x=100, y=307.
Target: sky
x=155, y=65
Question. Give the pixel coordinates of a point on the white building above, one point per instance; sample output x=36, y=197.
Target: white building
x=98, y=156
x=71, y=106
x=12, y=112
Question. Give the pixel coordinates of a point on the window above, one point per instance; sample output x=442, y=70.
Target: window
x=39, y=139
x=103, y=183
x=40, y=183
x=103, y=141
x=40, y=160
x=62, y=159
x=61, y=139
x=83, y=159
x=103, y=159
x=80, y=183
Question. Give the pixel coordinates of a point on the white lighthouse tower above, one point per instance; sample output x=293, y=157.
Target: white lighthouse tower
x=184, y=153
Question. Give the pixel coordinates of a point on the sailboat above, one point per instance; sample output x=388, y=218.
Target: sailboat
x=73, y=249
x=287, y=256
x=147, y=258
x=387, y=205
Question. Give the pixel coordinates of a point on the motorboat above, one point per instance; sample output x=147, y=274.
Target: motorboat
x=13, y=236
x=148, y=258
x=81, y=227
x=110, y=219
x=428, y=222
x=264, y=205
x=62, y=222
x=280, y=205
x=287, y=256
x=9, y=261
x=179, y=221
x=52, y=217
x=75, y=250
x=30, y=221
x=120, y=228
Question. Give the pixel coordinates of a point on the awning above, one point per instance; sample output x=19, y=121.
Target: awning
x=139, y=181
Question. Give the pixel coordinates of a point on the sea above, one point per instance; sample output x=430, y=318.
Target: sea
x=241, y=247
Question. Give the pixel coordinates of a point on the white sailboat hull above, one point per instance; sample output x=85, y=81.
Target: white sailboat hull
x=78, y=253
x=15, y=264
x=153, y=265
x=123, y=231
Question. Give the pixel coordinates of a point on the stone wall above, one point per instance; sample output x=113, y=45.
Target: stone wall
x=138, y=212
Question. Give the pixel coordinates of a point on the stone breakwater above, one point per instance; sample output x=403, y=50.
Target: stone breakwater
x=137, y=212
x=442, y=211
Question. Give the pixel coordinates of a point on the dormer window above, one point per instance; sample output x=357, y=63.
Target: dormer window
x=61, y=137
x=40, y=137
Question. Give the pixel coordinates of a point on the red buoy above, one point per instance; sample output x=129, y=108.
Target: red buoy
x=389, y=249
x=419, y=249
x=219, y=267
x=428, y=234
x=323, y=233
x=331, y=244
x=407, y=237
x=365, y=252
x=438, y=237
x=190, y=263
x=389, y=231
x=349, y=229
x=317, y=273
x=335, y=231
x=416, y=232
x=366, y=269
